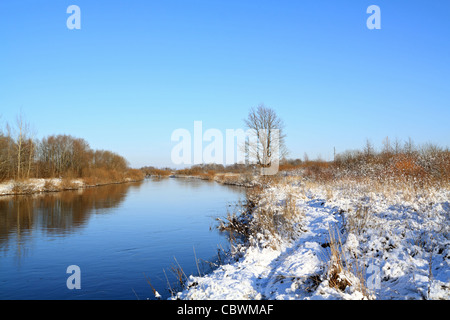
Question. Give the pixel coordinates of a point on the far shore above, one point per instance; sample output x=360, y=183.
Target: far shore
x=46, y=185
x=235, y=179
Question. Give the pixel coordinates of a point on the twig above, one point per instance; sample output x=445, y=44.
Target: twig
x=196, y=262
x=155, y=293
x=135, y=294
x=168, y=283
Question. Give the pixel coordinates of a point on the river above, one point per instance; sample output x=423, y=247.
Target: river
x=119, y=236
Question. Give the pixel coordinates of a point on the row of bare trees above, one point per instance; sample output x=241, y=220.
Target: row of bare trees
x=22, y=156
x=16, y=151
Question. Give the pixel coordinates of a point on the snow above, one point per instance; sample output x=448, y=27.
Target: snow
x=37, y=185
x=394, y=240
x=31, y=185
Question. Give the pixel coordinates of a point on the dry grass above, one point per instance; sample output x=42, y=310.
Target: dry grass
x=337, y=270
x=151, y=171
x=342, y=272
x=262, y=220
x=68, y=184
x=101, y=176
x=21, y=187
x=229, y=178
x=49, y=186
x=236, y=225
x=356, y=222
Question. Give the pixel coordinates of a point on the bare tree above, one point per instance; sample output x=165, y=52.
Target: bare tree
x=387, y=148
x=5, y=143
x=81, y=156
x=267, y=141
x=397, y=146
x=23, y=151
x=305, y=157
x=19, y=143
x=369, y=149
x=409, y=146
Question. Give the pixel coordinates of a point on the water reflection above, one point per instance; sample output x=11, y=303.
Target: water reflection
x=56, y=214
x=115, y=234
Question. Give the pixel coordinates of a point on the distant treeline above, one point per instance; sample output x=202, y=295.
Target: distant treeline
x=57, y=156
x=395, y=160
x=205, y=170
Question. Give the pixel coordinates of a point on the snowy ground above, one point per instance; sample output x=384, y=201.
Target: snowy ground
x=394, y=244
x=36, y=185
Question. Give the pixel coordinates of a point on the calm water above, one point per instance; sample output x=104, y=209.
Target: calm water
x=118, y=235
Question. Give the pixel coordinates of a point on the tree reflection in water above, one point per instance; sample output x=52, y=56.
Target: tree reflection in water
x=56, y=214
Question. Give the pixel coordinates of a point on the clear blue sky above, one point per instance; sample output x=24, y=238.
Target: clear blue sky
x=138, y=70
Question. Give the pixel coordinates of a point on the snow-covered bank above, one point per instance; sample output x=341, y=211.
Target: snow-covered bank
x=31, y=186
x=348, y=240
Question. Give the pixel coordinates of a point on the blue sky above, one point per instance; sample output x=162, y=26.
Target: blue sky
x=138, y=70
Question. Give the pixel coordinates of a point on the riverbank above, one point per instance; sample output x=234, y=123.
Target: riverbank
x=345, y=239
x=235, y=179
x=41, y=185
